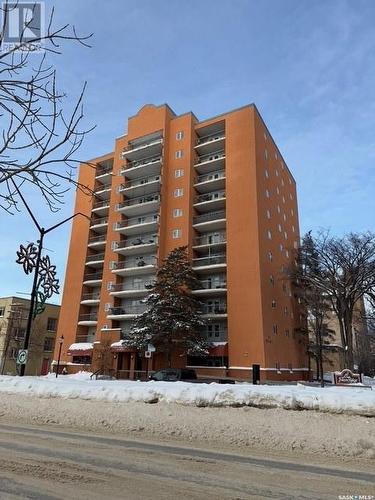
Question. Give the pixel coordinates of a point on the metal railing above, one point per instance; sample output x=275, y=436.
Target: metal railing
x=141, y=181
x=100, y=203
x=209, y=216
x=139, y=200
x=95, y=257
x=97, y=239
x=212, y=284
x=210, y=239
x=212, y=176
x=134, y=221
x=139, y=163
x=101, y=187
x=103, y=170
x=118, y=311
x=96, y=221
x=221, y=332
x=138, y=239
x=92, y=276
x=137, y=262
x=214, y=308
x=121, y=287
x=88, y=317
x=217, y=155
x=215, y=195
x=211, y=137
x=133, y=147
x=209, y=261
x=90, y=296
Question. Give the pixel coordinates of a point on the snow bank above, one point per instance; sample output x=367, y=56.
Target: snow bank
x=298, y=397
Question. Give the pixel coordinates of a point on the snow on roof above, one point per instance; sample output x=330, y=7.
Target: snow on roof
x=120, y=343
x=81, y=346
x=219, y=343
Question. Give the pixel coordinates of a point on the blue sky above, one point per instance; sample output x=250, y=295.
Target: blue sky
x=308, y=65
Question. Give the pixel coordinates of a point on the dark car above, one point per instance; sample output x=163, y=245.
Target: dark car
x=174, y=375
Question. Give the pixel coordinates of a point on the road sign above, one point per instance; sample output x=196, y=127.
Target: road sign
x=22, y=357
x=147, y=354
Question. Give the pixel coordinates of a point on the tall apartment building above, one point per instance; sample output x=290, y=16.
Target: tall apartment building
x=13, y=320
x=219, y=186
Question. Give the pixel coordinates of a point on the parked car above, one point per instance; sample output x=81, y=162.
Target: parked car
x=174, y=374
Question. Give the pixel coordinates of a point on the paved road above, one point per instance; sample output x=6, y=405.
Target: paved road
x=43, y=464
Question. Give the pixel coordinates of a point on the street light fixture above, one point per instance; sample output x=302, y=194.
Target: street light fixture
x=61, y=341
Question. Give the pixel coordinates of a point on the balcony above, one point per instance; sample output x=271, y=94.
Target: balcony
x=104, y=174
x=137, y=206
x=140, y=186
x=130, y=289
x=90, y=319
x=97, y=241
x=142, y=149
x=137, y=265
x=100, y=207
x=213, y=181
x=210, y=201
x=95, y=260
x=102, y=191
x=143, y=168
x=210, y=162
x=214, y=333
x=210, y=143
x=217, y=240
x=215, y=310
x=135, y=225
x=210, y=263
x=126, y=312
x=214, y=285
x=211, y=221
x=137, y=244
x=92, y=298
x=99, y=224
x=92, y=279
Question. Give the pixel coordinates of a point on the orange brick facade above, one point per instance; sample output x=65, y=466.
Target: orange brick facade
x=222, y=188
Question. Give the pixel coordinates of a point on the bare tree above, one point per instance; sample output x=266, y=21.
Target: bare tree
x=40, y=138
x=344, y=274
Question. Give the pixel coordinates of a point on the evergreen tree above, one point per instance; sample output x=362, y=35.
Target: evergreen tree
x=172, y=319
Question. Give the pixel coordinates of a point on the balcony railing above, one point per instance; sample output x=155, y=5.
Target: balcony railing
x=118, y=311
x=210, y=177
x=134, y=221
x=139, y=182
x=210, y=216
x=95, y=257
x=210, y=138
x=132, y=147
x=137, y=262
x=101, y=187
x=103, y=171
x=121, y=287
x=209, y=261
x=214, y=308
x=97, y=221
x=212, y=284
x=210, y=239
x=139, y=239
x=90, y=296
x=88, y=317
x=221, y=332
x=139, y=163
x=210, y=157
x=92, y=276
x=100, y=203
x=216, y=195
x=140, y=200
x=97, y=239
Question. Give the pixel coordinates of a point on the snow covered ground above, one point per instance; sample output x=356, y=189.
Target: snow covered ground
x=355, y=401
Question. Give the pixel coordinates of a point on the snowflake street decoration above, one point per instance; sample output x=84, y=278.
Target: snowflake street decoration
x=47, y=283
x=27, y=257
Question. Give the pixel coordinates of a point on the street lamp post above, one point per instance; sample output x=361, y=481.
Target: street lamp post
x=61, y=341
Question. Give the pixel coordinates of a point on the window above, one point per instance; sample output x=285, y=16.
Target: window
x=179, y=135
x=19, y=333
x=277, y=173
x=285, y=235
x=274, y=329
x=273, y=304
x=284, y=217
x=177, y=212
x=178, y=192
x=2, y=312
x=286, y=311
x=287, y=254
x=266, y=174
x=268, y=214
x=176, y=233
x=51, y=324
x=179, y=154
x=270, y=256
x=290, y=180
x=82, y=360
x=265, y=154
x=275, y=156
x=179, y=172
x=48, y=344
x=269, y=235
x=279, y=227
x=291, y=196
x=282, y=182
x=272, y=280
x=277, y=190
x=293, y=229
x=265, y=136
x=283, y=199
x=278, y=209
x=281, y=247
x=267, y=193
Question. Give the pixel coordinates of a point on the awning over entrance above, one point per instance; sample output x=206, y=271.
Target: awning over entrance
x=119, y=347
x=218, y=349
x=80, y=349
